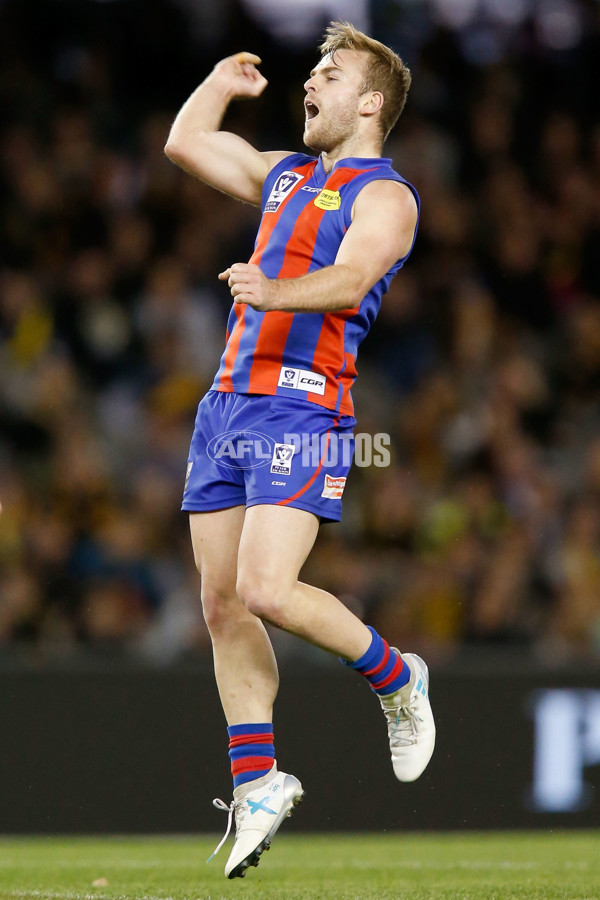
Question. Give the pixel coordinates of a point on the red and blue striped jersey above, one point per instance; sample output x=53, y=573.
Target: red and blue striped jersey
x=306, y=213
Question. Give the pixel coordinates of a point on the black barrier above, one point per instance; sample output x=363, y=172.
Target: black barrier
x=146, y=751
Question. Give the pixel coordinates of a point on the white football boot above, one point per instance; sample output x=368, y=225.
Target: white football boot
x=258, y=814
x=411, y=728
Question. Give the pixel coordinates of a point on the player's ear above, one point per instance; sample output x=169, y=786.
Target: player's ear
x=371, y=102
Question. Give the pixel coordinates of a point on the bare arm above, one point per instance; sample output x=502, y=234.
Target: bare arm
x=382, y=231
x=219, y=158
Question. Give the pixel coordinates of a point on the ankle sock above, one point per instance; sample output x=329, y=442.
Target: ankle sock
x=251, y=751
x=385, y=670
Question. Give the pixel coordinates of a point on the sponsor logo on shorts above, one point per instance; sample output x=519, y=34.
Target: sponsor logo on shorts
x=281, y=462
x=286, y=182
x=333, y=488
x=302, y=380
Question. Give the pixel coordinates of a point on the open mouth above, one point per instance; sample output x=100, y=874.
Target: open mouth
x=311, y=110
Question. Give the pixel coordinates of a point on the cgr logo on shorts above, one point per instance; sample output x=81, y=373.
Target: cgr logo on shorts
x=281, y=463
x=286, y=182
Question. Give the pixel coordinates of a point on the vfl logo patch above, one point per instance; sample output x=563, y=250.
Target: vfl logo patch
x=334, y=488
x=286, y=183
x=281, y=464
x=328, y=200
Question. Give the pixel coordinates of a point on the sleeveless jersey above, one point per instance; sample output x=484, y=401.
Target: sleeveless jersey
x=311, y=356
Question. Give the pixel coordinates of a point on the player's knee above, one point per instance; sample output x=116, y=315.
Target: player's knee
x=262, y=598
x=220, y=606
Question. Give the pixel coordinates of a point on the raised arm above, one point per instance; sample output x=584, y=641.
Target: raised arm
x=382, y=232
x=219, y=158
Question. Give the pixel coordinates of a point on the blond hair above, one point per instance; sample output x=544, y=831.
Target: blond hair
x=384, y=71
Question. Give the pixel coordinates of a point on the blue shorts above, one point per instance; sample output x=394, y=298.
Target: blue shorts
x=249, y=449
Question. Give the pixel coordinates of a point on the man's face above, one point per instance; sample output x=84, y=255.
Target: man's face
x=332, y=99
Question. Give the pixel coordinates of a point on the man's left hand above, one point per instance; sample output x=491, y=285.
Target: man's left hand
x=248, y=285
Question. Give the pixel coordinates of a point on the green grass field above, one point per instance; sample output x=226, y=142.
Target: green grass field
x=402, y=866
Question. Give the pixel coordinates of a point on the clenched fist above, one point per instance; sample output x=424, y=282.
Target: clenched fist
x=240, y=75
x=248, y=285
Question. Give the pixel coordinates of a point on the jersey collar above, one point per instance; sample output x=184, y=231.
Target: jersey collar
x=352, y=162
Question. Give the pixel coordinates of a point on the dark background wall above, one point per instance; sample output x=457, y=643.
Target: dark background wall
x=143, y=751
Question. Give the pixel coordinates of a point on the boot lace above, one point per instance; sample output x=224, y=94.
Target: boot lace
x=403, y=725
x=237, y=808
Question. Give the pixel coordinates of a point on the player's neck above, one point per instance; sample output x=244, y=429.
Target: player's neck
x=357, y=149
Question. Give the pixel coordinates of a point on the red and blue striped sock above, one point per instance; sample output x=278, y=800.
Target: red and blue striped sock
x=385, y=670
x=251, y=751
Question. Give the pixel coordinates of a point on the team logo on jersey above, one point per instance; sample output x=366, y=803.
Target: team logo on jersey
x=333, y=488
x=281, y=463
x=286, y=182
x=328, y=200
x=302, y=380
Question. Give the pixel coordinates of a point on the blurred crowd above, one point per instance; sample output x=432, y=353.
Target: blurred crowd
x=483, y=367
